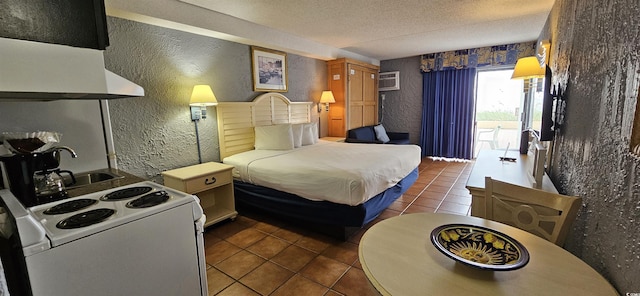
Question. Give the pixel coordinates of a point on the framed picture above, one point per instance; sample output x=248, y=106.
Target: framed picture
x=269, y=69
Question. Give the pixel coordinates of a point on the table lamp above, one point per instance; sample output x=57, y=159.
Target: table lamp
x=201, y=97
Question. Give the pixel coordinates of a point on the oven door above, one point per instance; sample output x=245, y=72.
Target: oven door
x=153, y=255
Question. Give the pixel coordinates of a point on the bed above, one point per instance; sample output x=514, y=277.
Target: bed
x=333, y=187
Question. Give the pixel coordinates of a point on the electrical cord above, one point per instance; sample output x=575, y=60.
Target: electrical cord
x=382, y=108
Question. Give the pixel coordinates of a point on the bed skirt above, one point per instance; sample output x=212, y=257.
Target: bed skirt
x=332, y=215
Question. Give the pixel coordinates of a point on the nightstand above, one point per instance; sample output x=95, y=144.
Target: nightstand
x=212, y=183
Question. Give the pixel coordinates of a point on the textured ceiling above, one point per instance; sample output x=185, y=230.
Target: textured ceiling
x=385, y=29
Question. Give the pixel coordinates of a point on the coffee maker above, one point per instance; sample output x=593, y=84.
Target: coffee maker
x=35, y=178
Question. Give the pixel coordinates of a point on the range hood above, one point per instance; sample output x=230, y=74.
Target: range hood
x=43, y=71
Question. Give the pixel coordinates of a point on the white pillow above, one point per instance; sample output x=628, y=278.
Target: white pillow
x=310, y=134
x=274, y=137
x=297, y=134
x=381, y=134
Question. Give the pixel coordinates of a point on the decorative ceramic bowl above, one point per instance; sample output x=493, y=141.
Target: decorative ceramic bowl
x=479, y=247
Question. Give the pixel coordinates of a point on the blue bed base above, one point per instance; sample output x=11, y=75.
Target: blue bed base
x=320, y=213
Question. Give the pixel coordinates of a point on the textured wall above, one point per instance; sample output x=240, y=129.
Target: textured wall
x=155, y=133
x=595, y=48
x=595, y=58
x=403, y=108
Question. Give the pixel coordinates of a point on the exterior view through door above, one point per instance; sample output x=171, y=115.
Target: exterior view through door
x=504, y=108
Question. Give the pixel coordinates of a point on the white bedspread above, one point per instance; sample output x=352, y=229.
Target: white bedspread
x=345, y=173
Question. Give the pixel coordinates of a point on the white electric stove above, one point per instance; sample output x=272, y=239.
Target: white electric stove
x=139, y=239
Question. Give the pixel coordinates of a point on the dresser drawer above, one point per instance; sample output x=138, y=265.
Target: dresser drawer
x=208, y=181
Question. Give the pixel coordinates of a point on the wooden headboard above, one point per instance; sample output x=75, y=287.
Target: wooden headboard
x=237, y=119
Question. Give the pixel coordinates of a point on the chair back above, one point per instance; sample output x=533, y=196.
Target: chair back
x=545, y=214
x=495, y=133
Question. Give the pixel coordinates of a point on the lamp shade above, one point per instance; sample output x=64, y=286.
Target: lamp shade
x=527, y=68
x=327, y=97
x=202, y=95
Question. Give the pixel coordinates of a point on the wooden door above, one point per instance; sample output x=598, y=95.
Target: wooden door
x=356, y=96
x=363, y=96
x=370, y=91
x=355, y=87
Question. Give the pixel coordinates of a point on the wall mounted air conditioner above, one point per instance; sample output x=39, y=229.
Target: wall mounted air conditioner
x=389, y=81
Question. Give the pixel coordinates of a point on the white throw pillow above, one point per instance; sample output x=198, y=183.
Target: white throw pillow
x=381, y=134
x=297, y=134
x=274, y=137
x=310, y=134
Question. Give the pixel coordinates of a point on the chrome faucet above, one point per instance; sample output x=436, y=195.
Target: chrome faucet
x=73, y=153
x=58, y=148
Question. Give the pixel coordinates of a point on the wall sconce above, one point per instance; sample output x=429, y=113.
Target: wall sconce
x=326, y=99
x=527, y=68
x=542, y=52
x=201, y=97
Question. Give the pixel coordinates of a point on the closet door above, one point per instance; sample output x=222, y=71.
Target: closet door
x=370, y=93
x=363, y=96
x=355, y=87
x=356, y=96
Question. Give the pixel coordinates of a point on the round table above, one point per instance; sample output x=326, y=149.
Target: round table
x=399, y=259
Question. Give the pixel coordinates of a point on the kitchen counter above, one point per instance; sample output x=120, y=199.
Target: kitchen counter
x=104, y=185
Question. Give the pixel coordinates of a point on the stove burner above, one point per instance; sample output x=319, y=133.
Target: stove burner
x=149, y=200
x=69, y=206
x=85, y=218
x=126, y=193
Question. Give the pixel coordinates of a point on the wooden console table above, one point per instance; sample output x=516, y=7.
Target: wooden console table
x=519, y=172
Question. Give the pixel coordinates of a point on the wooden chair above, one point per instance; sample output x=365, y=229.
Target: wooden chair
x=545, y=214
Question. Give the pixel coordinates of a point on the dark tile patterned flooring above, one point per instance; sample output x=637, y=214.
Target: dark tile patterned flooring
x=259, y=255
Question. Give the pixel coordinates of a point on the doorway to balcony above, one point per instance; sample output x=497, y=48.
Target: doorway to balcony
x=505, y=107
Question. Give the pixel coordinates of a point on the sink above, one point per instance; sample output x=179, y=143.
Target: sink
x=87, y=178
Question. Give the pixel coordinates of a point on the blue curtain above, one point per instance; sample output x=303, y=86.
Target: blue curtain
x=447, y=115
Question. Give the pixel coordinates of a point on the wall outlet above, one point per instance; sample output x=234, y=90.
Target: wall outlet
x=196, y=113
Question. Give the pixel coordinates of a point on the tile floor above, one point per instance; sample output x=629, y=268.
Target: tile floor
x=258, y=255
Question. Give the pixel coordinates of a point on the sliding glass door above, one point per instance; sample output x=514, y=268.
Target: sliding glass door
x=504, y=108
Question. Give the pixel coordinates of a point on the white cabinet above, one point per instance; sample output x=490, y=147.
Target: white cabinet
x=212, y=183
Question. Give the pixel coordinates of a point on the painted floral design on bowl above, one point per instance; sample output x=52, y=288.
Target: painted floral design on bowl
x=479, y=247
